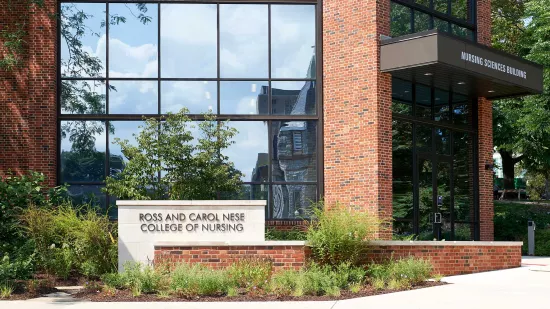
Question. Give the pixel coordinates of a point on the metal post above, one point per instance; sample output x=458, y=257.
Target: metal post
x=531, y=237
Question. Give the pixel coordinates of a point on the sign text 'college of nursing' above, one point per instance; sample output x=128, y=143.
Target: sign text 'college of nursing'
x=493, y=65
x=192, y=222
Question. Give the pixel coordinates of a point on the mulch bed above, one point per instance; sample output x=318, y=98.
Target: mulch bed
x=126, y=296
x=21, y=292
x=40, y=285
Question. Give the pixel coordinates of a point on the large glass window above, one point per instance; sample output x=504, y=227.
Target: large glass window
x=454, y=16
x=433, y=163
x=253, y=64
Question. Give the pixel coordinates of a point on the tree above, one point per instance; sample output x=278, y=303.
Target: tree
x=521, y=124
x=168, y=162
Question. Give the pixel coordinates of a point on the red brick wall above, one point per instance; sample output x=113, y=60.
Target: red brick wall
x=28, y=108
x=356, y=104
x=284, y=257
x=446, y=259
x=286, y=225
x=485, y=135
x=452, y=259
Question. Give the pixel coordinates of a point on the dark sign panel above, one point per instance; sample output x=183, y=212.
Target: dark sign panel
x=446, y=61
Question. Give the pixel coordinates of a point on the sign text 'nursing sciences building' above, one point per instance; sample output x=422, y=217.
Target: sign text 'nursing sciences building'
x=192, y=222
x=493, y=65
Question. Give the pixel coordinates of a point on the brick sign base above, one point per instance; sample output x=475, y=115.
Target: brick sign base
x=447, y=258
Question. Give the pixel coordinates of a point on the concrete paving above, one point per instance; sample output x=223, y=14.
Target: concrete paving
x=527, y=286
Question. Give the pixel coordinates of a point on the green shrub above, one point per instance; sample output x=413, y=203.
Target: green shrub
x=72, y=239
x=542, y=242
x=294, y=234
x=16, y=194
x=285, y=282
x=19, y=269
x=397, y=274
x=6, y=289
x=139, y=279
x=251, y=272
x=339, y=235
x=194, y=280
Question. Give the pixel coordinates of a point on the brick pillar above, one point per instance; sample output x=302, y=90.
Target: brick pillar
x=357, y=101
x=28, y=107
x=485, y=134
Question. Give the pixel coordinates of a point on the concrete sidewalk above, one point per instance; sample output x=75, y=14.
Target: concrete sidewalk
x=504, y=289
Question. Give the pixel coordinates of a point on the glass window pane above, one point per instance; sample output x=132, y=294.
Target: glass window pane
x=459, y=9
x=124, y=130
x=133, y=40
x=243, y=40
x=440, y=6
x=133, y=97
x=83, y=39
x=294, y=155
x=188, y=40
x=425, y=190
x=423, y=101
x=425, y=3
x=400, y=20
x=402, y=96
x=246, y=98
x=442, y=141
x=461, y=109
x=441, y=25
x=292, y=201
x=293, y=41
x=403, y=230
x=293, y=98
x=82, y=97
x=197, y=96
x=248, y=192
x=82, y=151
x=464, y=231
x=402, y=167
x=463, y=177
x=91, y=195
x=462, y=32
x=423, y=138
x=249, y=153
x=421, y=21
x=441, y=105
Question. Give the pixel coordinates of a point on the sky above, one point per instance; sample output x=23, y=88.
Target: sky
x=188, y=41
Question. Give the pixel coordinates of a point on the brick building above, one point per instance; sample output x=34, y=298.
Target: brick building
x=381, y=105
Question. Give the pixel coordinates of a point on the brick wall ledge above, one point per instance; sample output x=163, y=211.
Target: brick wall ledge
x=268, y=243
x=193, y=203
x=446, y=243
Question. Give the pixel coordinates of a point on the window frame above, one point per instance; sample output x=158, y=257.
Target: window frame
x=268, y=118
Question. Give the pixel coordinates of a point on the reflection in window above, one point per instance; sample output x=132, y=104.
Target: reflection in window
x=133, y=97
x=294, y=151
x=82, y=151
x=441, y=105
x=292, y=201
x=292, y=41
x=402, y=171
x=125, y=130
x=442, y=141
x=460, y=9
x=197, y=96
x=421, y=21
x=133, y=40
x=243, y=40
x=423, y=101
x=249, y=153
x=293, y=98
x=83, y=36
x=82, y=97
x=402, y=97
x=87, y=194
x=245, y=98
x=248, y=192
x=400, y=20
x=463, y=177
x=188, y=38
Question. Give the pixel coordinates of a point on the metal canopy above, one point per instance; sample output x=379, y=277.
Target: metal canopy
x=451, y=63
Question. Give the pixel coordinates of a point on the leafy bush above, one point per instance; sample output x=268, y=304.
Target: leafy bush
x=511, y=223
x=142, y=279
x=338, y=235
x=294, y=234
x=317, y=280
x=16, y=194
x=542, y=242
x=191, y=170
x=251, y=273
x=19, y=269
x=193, y=280
x=70, y=239
x=397, y=274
